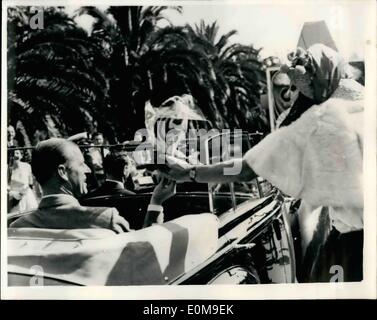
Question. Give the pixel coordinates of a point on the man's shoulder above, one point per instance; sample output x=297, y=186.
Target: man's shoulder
x=108, y=188
x=67, y=217
x=95, y=210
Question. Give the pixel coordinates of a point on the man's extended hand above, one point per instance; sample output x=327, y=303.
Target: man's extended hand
x=163, y=191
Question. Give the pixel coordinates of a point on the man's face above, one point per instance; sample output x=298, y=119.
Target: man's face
x=98, y=140
x=76, y=171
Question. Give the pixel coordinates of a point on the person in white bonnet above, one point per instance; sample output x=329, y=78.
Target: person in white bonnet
x=316, y=156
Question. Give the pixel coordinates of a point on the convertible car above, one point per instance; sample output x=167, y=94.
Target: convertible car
x=241, y=233
x=246, y=244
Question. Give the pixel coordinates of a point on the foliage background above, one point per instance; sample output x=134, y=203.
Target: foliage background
x=63, y=80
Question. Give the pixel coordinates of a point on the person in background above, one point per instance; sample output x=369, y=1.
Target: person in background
x=315, y=156
x=59, y=167
x=11, y=135
x=117, y=166
x=11, y=143
x=20, y=194
x=92, y=181
x=97, y=155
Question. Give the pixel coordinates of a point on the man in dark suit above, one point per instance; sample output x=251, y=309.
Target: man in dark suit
x=117, y=168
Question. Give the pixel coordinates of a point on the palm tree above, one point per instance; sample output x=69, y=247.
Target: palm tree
x=127, y=35
x=55, y=76
x=104, y=79
x=238, y=78
x=152, y=63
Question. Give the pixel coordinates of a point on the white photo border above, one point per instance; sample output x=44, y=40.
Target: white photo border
x=364, y=289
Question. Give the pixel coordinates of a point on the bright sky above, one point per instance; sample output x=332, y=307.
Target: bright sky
x=276, y=27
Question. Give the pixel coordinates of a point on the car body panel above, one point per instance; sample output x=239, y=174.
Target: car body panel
x=253, y=240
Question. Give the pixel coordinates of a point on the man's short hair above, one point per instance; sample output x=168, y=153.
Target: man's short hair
x=114, y=164
x=96, y=134
x=47, y=156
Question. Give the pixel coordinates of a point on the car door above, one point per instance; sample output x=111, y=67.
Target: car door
x=255, y=246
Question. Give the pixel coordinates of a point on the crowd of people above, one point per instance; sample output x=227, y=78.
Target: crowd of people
x=315, y=156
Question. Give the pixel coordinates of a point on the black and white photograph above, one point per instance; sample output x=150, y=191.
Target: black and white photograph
x=152, y=149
